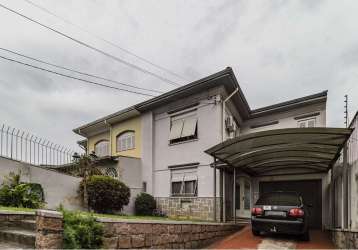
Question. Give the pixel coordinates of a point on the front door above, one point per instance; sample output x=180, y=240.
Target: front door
x=243, y=197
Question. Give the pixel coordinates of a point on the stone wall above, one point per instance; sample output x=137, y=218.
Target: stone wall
x=121, y=234
x=162, y=234
x=195, y=208
x=345, y=239
x=49, y=229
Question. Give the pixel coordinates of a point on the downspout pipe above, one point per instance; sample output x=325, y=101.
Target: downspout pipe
x=224, y=195
x=223, y=112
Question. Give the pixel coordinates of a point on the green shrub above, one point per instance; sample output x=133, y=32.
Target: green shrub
x=106, y=194
x=81, y=231
x=144, y=204
x=13, y=193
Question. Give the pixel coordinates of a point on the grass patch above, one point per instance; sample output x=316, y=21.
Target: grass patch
x=135, y=217
x=113, y=216
x=17, y=209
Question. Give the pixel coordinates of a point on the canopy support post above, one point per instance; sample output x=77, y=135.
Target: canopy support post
x=221, y=194
x=214, y=202
x=234, y=197
x=224, y=197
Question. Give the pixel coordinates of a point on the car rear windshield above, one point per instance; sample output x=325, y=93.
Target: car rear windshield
x=279, y=199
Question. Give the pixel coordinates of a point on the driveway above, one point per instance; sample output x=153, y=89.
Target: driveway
x=245, y=239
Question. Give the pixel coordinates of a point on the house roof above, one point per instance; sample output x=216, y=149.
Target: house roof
x=224, y=78
x=296, y=150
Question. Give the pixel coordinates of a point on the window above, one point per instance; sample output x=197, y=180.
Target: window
x=310, y=123
x=112, y=172
x=183, y=128
x=101, y=148
x=144, y=186
x=184, y=182
x=126, y=141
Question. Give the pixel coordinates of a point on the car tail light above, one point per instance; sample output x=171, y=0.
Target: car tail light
x=296, y=212
x=257, y=211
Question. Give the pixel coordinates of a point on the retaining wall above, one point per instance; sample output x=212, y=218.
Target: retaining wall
x=162, y=234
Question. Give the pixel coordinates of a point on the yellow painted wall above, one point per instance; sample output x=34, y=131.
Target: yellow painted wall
x=96, y=138
x=133, y=124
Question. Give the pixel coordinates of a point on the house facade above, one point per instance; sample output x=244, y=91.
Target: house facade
x=157, y=147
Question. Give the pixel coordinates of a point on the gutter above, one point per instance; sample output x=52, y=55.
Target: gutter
x=223, y=112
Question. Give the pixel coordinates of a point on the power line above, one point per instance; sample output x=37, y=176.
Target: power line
x=72, y=77
x=103, y=39
x=79, y=72
x=94, y=48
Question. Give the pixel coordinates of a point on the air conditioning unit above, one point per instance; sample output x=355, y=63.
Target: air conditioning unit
x=230, y=124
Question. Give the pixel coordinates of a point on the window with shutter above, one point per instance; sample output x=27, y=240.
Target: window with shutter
x=183, y=128
x=184, y=182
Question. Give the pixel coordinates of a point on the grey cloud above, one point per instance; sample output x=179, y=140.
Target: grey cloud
x=279, y=50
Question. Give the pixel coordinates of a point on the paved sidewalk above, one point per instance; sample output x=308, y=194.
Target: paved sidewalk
x=245, y=239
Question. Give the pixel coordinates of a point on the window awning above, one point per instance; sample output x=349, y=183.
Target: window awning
x=290, y=151
x=189, y=126
x=176, y=129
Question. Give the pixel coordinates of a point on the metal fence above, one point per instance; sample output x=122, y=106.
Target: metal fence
x=19, y=145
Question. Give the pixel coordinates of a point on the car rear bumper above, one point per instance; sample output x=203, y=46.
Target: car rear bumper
x=278, y=226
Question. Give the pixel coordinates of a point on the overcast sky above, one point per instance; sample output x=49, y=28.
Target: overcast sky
x=279, y=50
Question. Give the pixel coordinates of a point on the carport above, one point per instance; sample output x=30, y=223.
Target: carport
x=295, y=159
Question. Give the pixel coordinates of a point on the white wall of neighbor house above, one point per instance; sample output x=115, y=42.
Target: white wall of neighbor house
x=209, y=133
x=325, y=180
x=147, y=150
x=58, y=188
x=287, y=119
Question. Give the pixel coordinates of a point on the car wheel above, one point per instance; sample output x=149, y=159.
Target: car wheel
x=306, y=236
x=255, y=232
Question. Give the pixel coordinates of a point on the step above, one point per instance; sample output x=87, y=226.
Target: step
x=19, y=236
x=26, y=224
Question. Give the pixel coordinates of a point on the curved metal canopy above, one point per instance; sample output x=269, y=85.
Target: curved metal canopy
x=290, y=150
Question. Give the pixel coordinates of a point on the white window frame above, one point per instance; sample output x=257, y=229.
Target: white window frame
x=185, y=175
x=125, y=141
x=101, y=148
x=305, y=122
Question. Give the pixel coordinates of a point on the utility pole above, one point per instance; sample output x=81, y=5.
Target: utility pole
x=345, y=172
x=346, y=110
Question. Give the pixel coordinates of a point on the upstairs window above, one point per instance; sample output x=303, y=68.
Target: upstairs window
x=126, y=141
x=183, y=128
x=101, y=148
x=184, y=183
x=309, y=123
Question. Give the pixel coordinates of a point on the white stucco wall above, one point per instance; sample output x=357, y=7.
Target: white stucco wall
x=58, y=188
x=286, y=119
x=147, y=150
x=209, y=134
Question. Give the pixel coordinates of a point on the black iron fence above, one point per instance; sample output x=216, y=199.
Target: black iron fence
x=19, y=145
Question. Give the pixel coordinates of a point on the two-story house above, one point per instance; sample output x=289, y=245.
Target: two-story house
x=157, y=146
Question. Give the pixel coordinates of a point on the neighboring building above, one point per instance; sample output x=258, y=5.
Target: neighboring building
x=157, y=146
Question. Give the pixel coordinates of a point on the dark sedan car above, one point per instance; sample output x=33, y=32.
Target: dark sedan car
x=280, y=212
